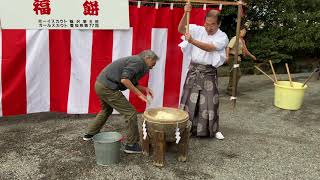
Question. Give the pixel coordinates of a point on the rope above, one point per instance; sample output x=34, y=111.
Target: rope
x=178, y=2
x=171, y=123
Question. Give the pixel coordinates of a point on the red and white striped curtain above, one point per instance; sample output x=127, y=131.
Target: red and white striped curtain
x=55, y=70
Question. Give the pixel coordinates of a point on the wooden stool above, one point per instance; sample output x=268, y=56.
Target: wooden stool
x=161, y=131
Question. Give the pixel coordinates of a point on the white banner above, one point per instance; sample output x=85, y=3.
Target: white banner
x=64, y=14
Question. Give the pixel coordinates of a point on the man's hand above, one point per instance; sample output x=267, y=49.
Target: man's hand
x=187, y=8
x=136, y=90
x=209, y=47
x=254, y=58
x=188, y=37
x=149, y=92
x=144, y=98
x=145, y=90
x=241, y=3
x=183, y=22
x=227, y=60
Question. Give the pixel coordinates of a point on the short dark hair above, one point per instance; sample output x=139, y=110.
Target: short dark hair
x=243, y=28
x=215, y=14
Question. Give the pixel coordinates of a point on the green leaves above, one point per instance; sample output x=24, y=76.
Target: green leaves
x=291, y=29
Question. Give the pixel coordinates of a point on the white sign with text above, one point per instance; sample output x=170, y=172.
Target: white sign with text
x=64, y=14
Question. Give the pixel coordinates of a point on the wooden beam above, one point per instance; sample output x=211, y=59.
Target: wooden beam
x=225, y=3
x=209, y=2
x=235, y=70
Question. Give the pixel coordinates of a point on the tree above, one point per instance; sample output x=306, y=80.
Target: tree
x=283, y=30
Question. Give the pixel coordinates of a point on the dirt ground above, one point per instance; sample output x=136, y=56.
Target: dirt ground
x=261, y=142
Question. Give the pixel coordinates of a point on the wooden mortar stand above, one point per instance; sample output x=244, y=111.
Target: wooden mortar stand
x=158, y=136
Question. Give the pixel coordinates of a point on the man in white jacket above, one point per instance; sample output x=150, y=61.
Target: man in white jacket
x=206, y=49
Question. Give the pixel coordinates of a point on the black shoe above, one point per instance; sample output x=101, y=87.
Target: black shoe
x=87, y=137
x=131, y=149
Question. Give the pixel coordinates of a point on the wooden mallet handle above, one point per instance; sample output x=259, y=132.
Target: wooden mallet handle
x=288, y=71
x=274, y=73
x=305, y=82
x=188, y=19
x=264, y=73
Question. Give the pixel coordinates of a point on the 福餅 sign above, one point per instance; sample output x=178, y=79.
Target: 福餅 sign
x=64, y=14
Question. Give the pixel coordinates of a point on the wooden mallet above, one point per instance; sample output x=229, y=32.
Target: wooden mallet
x=288, y=71
x=188, y=19
x=274, y=73
x=265, y=74
x=305, y=82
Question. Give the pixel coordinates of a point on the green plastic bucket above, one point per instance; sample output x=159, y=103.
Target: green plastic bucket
x=107, y=147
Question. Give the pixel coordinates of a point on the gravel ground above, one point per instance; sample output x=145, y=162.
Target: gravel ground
x=261, y=142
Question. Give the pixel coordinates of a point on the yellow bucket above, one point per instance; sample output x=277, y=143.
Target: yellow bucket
x=287, y=97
